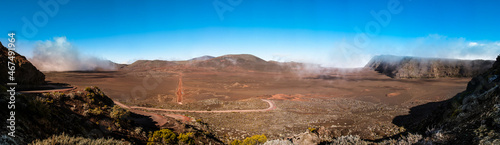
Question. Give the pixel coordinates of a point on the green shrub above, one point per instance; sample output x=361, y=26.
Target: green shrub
x=119, y=113
x=253, y=140
x=96, y=111
x=40, y=106
x=186, y=138
x=64, y=139
x=456, y=112
x=236, y=142
x=312, y=129
x=163, y=136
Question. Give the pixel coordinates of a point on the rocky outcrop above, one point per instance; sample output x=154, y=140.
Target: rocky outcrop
x=25, y=73
x=470, y=117
x=415, y=67
x=306, y=138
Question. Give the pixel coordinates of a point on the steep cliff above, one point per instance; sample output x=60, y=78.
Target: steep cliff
x=415, y=67
x=25, y=73
x=470, y=117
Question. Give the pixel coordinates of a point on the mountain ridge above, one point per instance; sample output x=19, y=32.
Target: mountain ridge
x=419, y=67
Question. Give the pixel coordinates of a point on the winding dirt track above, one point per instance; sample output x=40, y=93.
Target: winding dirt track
x=46, y=91
x=271, y=107
x=160, y=119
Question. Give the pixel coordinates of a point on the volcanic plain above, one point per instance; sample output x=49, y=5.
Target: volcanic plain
x=333, y=102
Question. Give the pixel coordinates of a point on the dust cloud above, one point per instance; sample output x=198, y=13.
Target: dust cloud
x=60, y=55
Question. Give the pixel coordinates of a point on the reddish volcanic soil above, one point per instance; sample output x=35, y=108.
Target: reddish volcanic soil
x=359, y=102
x=180, y=91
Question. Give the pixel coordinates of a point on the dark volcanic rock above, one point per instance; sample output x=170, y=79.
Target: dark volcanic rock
x=470, y=117
x=415, y=67
x=25, y=73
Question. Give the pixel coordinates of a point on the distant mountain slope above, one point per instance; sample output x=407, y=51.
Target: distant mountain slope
x=415, y=67
x=148, y=64
x=25, y=73
x=242, y=61
x=201, y=58
x=238, y=62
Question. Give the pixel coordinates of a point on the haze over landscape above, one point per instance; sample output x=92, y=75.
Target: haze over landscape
x=250, y=72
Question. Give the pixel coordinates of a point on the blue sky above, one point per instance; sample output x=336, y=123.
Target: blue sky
x=316, y=31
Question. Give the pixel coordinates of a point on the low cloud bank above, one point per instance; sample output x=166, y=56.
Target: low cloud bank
x=458, y=48
x=344, y=55
x=60, y=55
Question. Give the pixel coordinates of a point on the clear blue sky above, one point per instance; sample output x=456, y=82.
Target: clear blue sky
x=319, y=31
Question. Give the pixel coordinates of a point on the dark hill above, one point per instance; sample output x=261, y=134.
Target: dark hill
x=416, y=67
x=25, y=73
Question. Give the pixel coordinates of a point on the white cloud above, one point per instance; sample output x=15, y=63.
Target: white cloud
x=472, y=44
x=342, y=54
x=458, y=48
x=60, y=55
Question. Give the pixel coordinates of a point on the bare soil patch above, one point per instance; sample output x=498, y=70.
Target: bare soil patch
x=360, y=102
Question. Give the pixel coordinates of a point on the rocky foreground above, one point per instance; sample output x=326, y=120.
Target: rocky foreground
x=415, y=67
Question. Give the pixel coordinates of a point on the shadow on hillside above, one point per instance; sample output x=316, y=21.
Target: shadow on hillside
x=49, y=85
x=416, y=119
x=144, y=121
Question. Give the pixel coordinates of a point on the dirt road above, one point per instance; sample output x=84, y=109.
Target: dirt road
x=46, y=91
x=180, y=91
x=160, y=119
x=156, y=117
x=271, y=107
